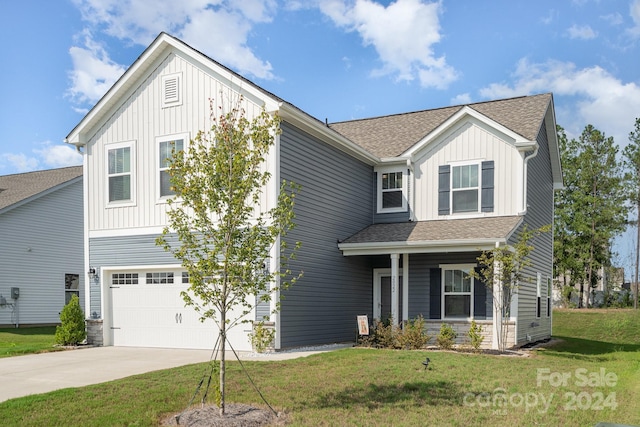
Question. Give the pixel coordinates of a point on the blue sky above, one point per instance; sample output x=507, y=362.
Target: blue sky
x=335, y=59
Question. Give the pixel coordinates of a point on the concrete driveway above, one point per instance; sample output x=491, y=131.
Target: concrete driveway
x=41, y=373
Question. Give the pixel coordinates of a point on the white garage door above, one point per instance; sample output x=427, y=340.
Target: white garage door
x=148, y=311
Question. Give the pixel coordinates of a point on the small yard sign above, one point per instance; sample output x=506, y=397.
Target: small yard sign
x=363, y=325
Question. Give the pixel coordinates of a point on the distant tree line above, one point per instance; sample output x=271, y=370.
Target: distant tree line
x=600, y=199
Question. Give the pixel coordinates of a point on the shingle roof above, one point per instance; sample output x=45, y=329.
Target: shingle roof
x=390, y=136
x=468, y=229
x=18, y=187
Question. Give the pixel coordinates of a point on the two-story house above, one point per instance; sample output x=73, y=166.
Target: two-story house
x=392, y=214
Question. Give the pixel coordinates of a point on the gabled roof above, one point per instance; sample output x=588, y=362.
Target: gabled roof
x=455, y=235
x=24, y=187
x=391, y=136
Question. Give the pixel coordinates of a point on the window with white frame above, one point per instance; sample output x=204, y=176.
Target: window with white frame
x=120, y=172
x=392, y=189
x=465, y=188
x=538, y=295
x=167, y=147
x=124, y=279
x=457, y=292
x=71, y=287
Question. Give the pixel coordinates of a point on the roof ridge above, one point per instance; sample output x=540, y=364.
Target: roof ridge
x=41, y=171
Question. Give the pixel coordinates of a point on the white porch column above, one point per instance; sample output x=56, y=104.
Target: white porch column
x=394, y=288
x=405, y=286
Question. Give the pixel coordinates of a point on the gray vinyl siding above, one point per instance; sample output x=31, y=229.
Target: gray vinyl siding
x=42, y=240
x=334, y=202
x=123, y=251
x=539, y=213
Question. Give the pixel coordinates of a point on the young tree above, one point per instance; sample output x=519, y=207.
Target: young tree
x=632, y=162
x=217, y=228
x=502, y=270
x=593, y=208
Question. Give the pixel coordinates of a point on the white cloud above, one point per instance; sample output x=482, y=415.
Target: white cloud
x=219, y=28
x=402, y=34
x=583, y=32
x=551, y=16
x=49, y=156
x=590, y=95
x=58, y=156
x=461, y=99
x=21, y=162
x=613, y=18
x=93, y=73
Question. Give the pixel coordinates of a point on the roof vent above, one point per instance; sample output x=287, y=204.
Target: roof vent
x=171, y=90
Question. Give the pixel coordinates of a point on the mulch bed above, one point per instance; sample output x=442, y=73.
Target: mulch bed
x=236, y=415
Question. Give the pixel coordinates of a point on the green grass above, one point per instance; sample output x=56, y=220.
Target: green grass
x=18, y=341
x=368, y=387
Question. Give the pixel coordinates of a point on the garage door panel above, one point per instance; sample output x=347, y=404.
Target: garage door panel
x=155, y=316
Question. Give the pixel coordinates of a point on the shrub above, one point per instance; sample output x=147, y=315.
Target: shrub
x=475, y=335
x=262, y=337
x=413, y=336
x=447, y=337
x=72, y=330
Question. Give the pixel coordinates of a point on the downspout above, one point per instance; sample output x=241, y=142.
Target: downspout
x=525, y=180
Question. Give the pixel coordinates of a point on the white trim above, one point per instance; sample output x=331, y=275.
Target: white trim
x=405, y=287
x=85, y=211
x=132, y=173
x=424, y=246
x=449, y=126
x=379, y=191
x=454, y=267
x=159, y=140
x=124, y=232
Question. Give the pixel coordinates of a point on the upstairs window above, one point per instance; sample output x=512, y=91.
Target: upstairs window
x=465, y=188
x=392, y=189
x=120, y=170
x=166, y=149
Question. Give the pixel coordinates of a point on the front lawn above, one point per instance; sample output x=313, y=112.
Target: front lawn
x=594, y=375
x=18, y=341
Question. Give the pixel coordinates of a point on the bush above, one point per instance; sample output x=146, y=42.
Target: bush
x=262, y=337
x=447, y=337
x=72, y=330
x=413, y=336
x=475, y=335
x=385, y=335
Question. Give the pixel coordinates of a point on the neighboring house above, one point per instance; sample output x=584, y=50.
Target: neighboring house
x=41, y=248
x=392, y=214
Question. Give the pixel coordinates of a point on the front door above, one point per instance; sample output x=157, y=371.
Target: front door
x=382, y=295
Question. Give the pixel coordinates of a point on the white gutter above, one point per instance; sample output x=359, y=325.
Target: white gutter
x=525, y=180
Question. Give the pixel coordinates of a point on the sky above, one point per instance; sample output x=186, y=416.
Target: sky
x=335, y=59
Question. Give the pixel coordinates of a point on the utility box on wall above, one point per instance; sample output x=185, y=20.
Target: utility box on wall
x=15, y=293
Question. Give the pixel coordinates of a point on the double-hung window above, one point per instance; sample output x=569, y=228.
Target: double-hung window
x=457, y=295
x=464, y=188
x=392, y=190
x=120, y=162
x=167, y=147
x=538, y=295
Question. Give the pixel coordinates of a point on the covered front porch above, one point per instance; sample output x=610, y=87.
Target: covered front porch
x=422, y=268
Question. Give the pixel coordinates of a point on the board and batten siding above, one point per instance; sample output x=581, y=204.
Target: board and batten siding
x=42, y=240
x=540, y=199
x=470, y=141
x=334, y=202
x=141, y=119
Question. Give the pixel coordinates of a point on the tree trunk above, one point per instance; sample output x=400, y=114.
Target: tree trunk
x=223, y=343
